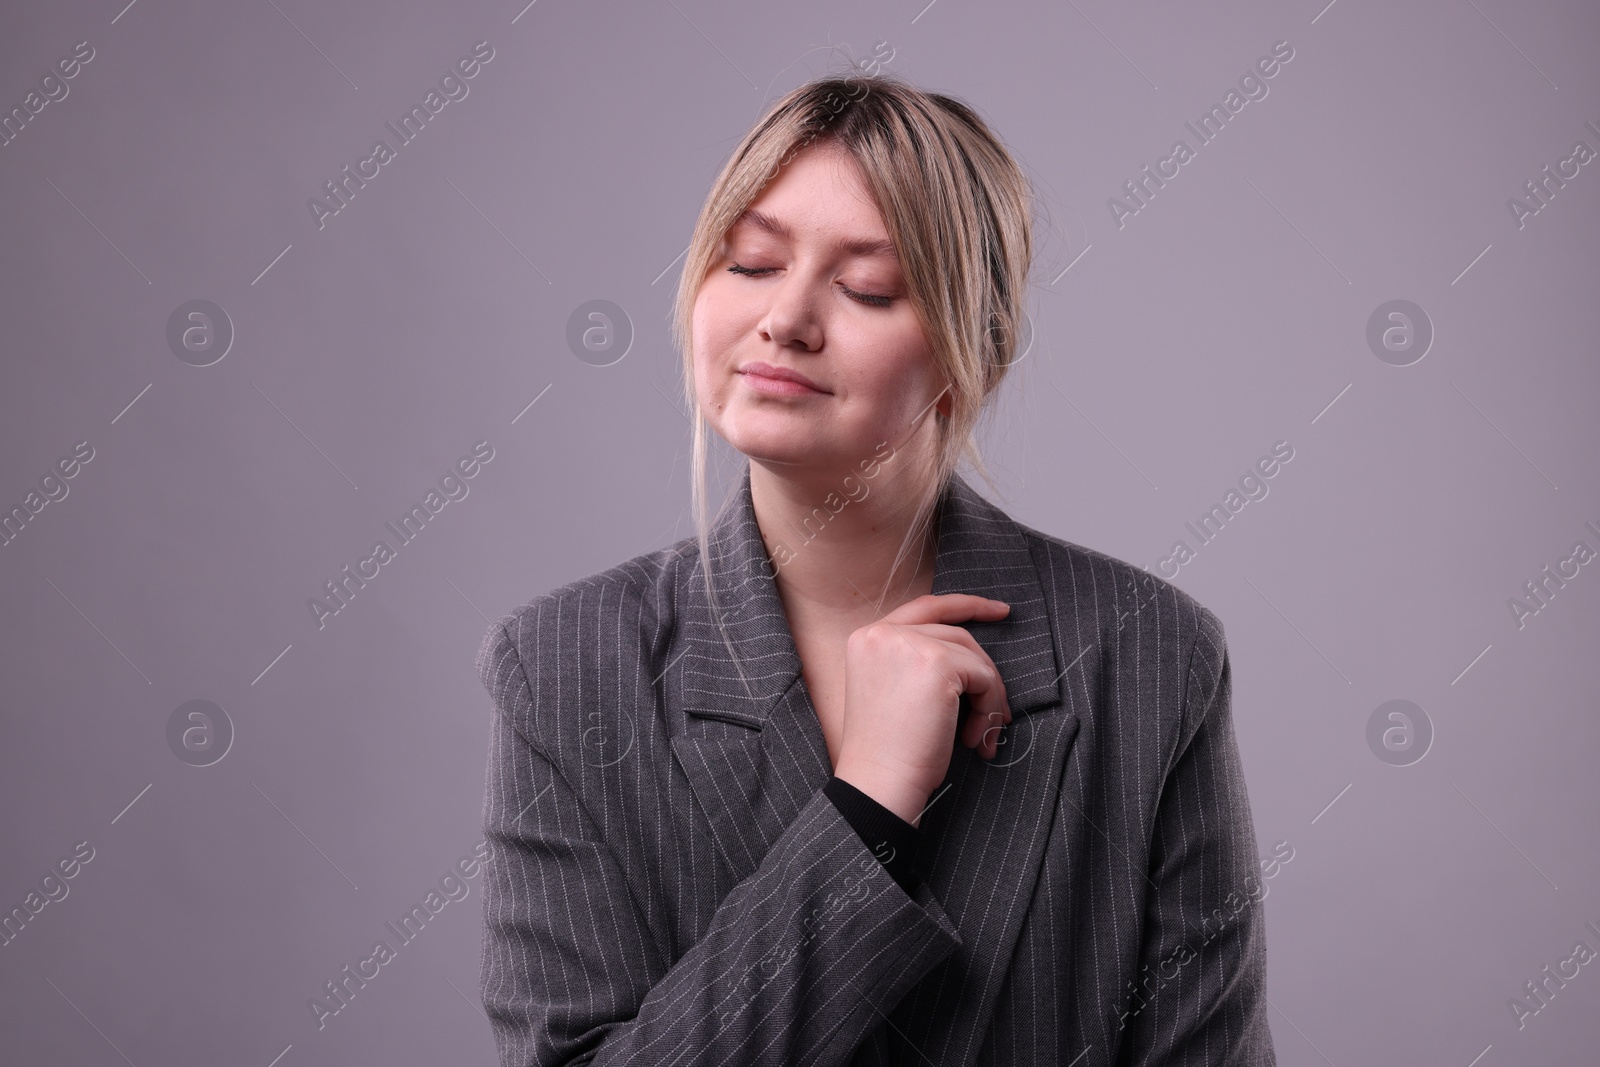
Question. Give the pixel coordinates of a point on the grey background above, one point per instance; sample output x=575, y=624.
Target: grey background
x=370, y=354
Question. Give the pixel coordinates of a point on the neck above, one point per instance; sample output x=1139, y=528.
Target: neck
x=832, y=539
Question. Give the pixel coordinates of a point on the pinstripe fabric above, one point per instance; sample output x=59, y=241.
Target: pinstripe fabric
x=669, y=885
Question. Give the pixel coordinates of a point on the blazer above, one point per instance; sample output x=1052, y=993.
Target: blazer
x=670, y=883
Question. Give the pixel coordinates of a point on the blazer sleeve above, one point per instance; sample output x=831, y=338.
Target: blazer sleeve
x=1200, y=995
x=799, y=963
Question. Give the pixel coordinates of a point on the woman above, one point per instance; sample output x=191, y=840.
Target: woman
x=729, y=817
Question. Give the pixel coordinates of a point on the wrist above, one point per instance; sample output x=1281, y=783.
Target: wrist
x=885, y=787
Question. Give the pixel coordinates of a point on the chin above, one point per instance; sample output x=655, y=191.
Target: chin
x=779, y=442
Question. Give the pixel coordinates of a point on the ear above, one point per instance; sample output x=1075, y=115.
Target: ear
x=946, y=400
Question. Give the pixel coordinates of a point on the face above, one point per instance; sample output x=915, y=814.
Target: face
x=808, y=282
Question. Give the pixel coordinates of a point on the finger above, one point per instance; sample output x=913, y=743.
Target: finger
x=972, y=675
x=995, y=713
x=983, y=731
x=986, y=692
x=954, y=635
x=936, y=643
x=958, y=658
x=994, y=736
x=949, y=608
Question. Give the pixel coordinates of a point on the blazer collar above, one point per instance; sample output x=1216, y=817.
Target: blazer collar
x=980, y=550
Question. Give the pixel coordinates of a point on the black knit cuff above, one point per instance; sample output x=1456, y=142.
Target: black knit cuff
x=891, y=838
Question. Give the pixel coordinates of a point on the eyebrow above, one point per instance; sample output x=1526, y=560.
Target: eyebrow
x=856, y=246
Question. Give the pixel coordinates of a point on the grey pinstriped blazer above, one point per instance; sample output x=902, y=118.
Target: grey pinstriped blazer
x=669, y=885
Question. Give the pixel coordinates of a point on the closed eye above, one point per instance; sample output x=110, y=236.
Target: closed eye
x=870, y=299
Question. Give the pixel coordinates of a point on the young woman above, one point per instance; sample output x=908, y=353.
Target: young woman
x=730, y=819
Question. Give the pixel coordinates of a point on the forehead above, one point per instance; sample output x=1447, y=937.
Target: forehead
x=820, y=196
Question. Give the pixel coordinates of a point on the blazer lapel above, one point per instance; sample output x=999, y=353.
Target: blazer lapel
x=752, y=747
x=742, y=730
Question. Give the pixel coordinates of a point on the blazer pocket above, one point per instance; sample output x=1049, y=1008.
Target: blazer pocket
x=700, y=722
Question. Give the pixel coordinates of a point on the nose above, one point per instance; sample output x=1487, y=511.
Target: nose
x=791, y=318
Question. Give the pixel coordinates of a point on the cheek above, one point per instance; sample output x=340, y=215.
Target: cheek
x=702, y=334
x=711, y=393
x=716, y=322
x=901, y=366
x=709, y=353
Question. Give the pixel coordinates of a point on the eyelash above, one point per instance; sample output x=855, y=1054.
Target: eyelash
x=869, y=299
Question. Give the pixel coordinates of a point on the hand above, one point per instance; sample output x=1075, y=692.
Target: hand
x=904, y=677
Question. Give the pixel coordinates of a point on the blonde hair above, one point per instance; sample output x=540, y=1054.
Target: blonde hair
x=958, y=210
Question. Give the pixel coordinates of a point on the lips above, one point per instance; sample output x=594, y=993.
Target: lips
x=782, y=374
